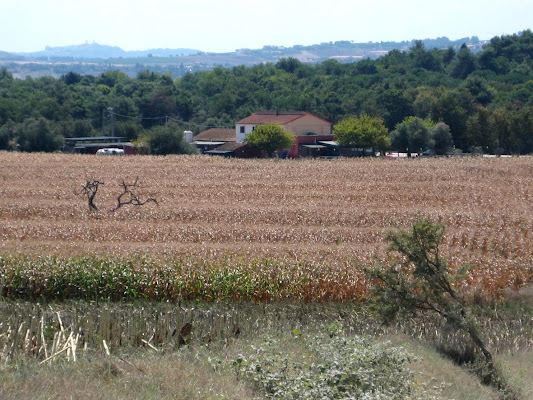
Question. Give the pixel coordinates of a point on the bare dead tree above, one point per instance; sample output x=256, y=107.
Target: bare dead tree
x=90, y=189
x=129, y=195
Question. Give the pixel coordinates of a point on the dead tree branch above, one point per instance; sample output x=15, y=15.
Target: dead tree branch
x=129, y=195
x=90, y=189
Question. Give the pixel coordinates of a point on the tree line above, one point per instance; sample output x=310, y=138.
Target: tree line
x=484, y=101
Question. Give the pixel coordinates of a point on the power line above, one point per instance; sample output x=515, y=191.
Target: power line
x=168, y=118
x=141, y=118
x=201, y=125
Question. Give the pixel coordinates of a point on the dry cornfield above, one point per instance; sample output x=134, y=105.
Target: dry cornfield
x=327, y=214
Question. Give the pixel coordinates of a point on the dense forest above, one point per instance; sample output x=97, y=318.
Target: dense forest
x=484, y=98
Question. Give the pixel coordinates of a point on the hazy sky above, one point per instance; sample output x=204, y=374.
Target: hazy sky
x=223, y=25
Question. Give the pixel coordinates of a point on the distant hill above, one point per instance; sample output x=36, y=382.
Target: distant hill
x=312, y=53
x=94, y=59
x=4, y=55
x=95, y=50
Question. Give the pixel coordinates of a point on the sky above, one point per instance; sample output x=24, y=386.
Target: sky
x=224, y=25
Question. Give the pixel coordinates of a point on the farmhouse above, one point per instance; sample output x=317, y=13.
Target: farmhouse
x=308, y=129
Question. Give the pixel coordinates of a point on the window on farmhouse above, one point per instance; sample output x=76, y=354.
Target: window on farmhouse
x=242, y=129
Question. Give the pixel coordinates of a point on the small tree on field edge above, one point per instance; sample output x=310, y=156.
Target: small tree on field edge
x=420, y=282
x=269, y=138
x=362, y=131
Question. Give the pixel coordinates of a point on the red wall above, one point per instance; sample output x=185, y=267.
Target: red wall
x=294, y=151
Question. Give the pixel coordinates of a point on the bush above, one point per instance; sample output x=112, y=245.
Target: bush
x=169, y=139
x=327, y=366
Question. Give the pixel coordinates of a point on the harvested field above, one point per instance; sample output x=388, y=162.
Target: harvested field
x=331, y=214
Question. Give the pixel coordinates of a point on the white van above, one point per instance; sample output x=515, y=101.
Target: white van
x=110, y=152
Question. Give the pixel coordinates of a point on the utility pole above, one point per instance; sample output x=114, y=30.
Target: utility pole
x=112, y=119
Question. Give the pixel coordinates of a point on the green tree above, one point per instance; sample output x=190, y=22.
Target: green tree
x=156, y=107
x=464, y=63
x=500, y=125
x=420, y=282
x=413, y=134
x=111, y=78
x=38, y=135
x=129, y=130
x=366, y=67
x=362, y=131
x=449, y=110
x=424, y=99
x=10, y=109
x=442, y=138
x=289, y=65
x=269, y=138
x=423, y=58
x=448, y=55
x=168, y=139
x=6, y=133
x=71, y=78
x=395, y=106
x=480, y=90
x=331, y=67
x=479, y=133
x=522, y=130
x=5, y=74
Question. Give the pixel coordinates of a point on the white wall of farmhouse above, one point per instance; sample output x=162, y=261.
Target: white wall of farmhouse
x=241, y=131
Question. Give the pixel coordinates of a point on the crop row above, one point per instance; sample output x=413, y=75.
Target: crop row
x=223, y=279
x=53, y=278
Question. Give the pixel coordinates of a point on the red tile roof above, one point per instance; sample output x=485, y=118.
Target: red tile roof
x=216, y=135
x=281, y=117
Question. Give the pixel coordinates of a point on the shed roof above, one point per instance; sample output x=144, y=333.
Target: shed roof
x=95, y=139
x=99, y=145
x=331, y=143
x=219, y=152
x=207, y=143
x=216, y=135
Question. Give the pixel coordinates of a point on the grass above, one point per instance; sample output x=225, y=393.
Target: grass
x=519, y=366
x=189, y=374
x=140, y=375
x=296, y=334
x=438, y=376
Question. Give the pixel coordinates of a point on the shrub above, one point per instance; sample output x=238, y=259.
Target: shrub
x=330, y=365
